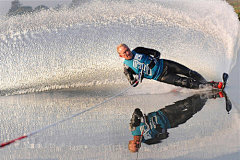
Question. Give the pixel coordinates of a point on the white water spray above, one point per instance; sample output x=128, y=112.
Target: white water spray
x=77, y=47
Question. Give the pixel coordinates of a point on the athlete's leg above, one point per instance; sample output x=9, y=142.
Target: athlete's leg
x=176, y=68
x=182, y=110
x=198, y=77
x=179, y=81
x=194, y=103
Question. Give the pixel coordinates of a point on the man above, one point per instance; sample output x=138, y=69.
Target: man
x=147, y=60
x=152, y=128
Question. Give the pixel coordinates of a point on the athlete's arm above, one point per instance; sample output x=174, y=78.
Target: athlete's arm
x=147, y=51
x=129, y=74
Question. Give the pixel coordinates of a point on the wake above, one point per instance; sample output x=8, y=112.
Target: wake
x=73, y=48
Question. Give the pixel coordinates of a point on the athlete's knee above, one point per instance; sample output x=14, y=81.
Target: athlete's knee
x=177, y=82
x=186, y=82
x=196, y=76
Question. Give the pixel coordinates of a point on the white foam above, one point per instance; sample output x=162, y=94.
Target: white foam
x=74, y=47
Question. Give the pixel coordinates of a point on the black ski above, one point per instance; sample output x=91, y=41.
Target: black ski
x=228, y=102
x=225, y=78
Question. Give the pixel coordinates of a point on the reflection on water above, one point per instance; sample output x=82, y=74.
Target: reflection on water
x=103, y=130
x=153, y=127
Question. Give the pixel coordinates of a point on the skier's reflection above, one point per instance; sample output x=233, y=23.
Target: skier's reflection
x=151, y=129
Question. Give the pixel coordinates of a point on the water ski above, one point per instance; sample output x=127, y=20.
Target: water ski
x=225, y=78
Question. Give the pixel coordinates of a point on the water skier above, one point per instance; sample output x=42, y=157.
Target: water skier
x=162, y=70
x=153, y=129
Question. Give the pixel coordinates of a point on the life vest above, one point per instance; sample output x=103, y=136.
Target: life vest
x=150, y=130
x=140, y=62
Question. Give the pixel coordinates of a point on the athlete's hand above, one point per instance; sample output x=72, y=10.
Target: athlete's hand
x=135, y=83
x=152, y=63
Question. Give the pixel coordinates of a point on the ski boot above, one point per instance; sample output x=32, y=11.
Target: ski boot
x=221, y=85
x=217, y=85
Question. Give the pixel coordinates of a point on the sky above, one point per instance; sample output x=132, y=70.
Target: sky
x=5, y=5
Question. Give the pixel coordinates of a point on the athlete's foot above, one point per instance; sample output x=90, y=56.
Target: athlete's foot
x=218, y=85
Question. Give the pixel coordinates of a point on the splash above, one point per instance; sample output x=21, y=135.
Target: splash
x=77, y=47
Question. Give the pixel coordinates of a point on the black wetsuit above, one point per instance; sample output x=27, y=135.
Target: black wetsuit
x=171, y=72
x=156, y=124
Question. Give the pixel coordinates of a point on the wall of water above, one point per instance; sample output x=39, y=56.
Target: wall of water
x=77, y=47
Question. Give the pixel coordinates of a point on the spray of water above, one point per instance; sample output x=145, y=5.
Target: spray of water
x=77, y=47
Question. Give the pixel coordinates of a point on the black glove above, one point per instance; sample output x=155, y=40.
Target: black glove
x=138, y=112
x=152, y=63
x=136, y=118
x=134, y=82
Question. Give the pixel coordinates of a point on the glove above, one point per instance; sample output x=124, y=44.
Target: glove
x=136, y=118
x=134, y=82
x=138, y=112
x=134, y=122
x=152, y=63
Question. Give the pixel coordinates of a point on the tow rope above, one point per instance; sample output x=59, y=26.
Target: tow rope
x=68, y=118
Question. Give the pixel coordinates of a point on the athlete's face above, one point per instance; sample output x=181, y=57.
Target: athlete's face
x=125, y=53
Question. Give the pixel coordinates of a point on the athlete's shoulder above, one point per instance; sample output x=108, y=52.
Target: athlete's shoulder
x=139, y=49
x=125, y=66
